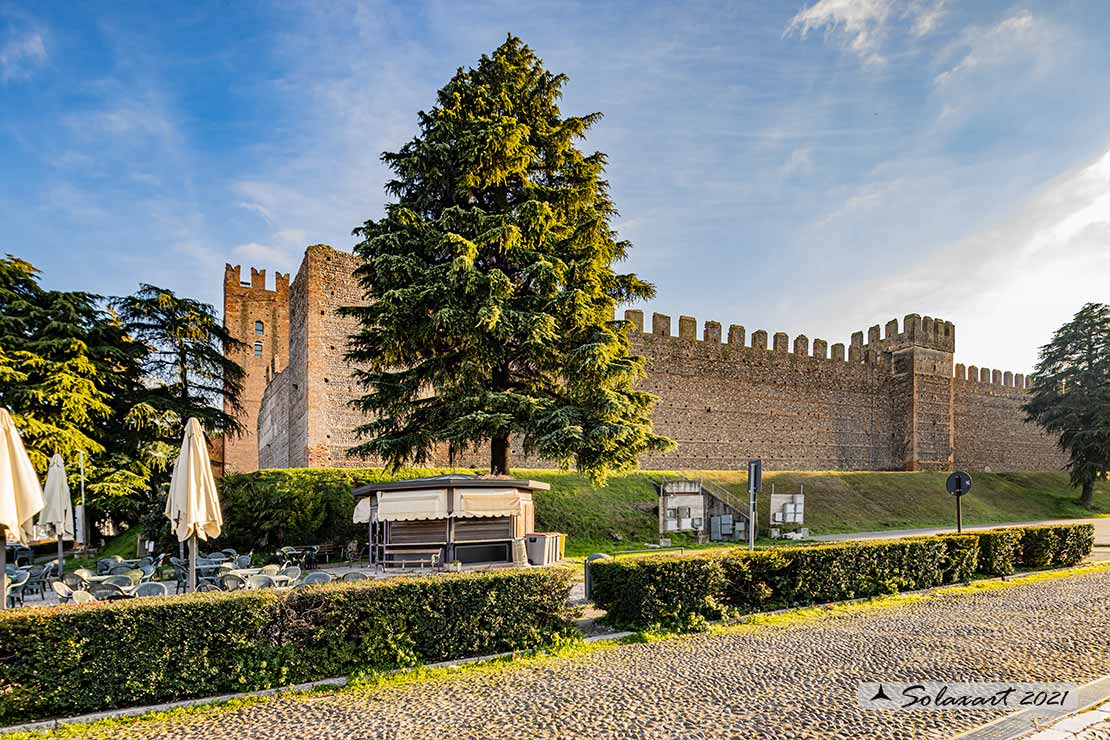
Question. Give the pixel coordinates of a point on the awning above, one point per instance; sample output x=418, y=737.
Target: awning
x=362, y=510
x=400, y=506
x=487, y=502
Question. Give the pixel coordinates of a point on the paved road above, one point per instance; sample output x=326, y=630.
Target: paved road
x=795, y=681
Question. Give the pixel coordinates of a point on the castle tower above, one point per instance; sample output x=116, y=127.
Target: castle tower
x=259, y=318
x=921, y=359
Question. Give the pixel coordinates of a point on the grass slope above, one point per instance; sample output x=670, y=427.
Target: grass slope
x=623, y=513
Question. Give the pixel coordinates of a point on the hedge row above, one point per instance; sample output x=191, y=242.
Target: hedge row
x=81, y=658
x=683, y=591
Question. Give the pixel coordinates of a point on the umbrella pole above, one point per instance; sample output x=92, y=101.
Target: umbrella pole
x=61, y=555
x=192, y=586
x=3, y=568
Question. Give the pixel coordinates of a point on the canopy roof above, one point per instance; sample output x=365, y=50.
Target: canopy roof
x=453, y=481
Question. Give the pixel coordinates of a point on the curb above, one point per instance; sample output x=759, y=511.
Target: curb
x=341, y=681
x=1027, y=721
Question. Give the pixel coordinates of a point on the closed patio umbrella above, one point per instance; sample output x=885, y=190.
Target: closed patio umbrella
x=20, y=494
x=193, y=505
x=57, y=511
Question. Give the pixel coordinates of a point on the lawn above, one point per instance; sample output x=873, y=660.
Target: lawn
x=623, y=514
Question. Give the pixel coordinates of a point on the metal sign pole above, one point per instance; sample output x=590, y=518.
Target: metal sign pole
x=959, y=516
x=755, y=484
x=84, y=510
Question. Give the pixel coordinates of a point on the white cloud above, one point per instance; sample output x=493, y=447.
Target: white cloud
x=20, y=54
x=864, y=25
x=1019, y=37
x=266, y=255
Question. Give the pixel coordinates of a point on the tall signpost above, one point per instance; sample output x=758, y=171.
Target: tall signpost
x=755, y=485
x=958, y=484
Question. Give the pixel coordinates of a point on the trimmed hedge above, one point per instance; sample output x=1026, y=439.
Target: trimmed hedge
x=82, y=658
x=1056, y=544
x=681, y=592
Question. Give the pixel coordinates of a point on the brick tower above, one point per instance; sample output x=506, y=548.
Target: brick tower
x=259, y=318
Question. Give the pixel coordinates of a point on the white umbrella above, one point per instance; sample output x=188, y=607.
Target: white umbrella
x=193, y=505
x=20, y=494
x=57, y=513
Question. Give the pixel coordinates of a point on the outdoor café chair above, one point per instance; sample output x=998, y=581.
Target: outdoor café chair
x=315, y=577
x=120, y=580
x=207, y=586
x=355, y=575
x=232, y=582
x=150, y=588
x=104, y=565
x=181, y=576
x=65, y=593
x=16, y=583
x=292, y=572
x=82, y=597
x=36, y=581
x=84, y=574
x=73, y=581
x=269, y=570
x=243, y=561
x=106, y=591
x=260, y=581
x=231, y=552
x=119, y=570
x=148, y=572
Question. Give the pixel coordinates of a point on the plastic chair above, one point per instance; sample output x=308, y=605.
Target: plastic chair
x=270, y=570
x=151, y=588
x=243, y=561
x=82, y=597
x=230, y=552
x=16, y=584
x=207, y=586
x=36, y=581
x=232, y=582
x=315, y=577
x=65, y=593
x=119, y=570
x=260, y=581
x=74, y=581
x=292, y=572
x=107, y=591
x=84, y=574
x=355, y=575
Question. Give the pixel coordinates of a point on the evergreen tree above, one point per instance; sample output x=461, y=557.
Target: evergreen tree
x=490, y=287
x=186, y=348
x=1071, y=395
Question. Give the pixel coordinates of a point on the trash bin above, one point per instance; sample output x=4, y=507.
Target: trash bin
x=544, y=548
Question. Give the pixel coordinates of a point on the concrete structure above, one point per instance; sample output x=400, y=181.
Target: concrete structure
x=892, y=399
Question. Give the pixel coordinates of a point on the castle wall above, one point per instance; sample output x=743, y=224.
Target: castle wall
x=889, y=400
x=726, y=403
x=245, y=304
x=990, y=432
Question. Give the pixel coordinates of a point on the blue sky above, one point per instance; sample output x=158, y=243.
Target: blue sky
x=803, y=167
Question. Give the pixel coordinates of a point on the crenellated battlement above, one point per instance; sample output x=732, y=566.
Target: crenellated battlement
x=917, y=331
x=987, y=376
x=233, y=281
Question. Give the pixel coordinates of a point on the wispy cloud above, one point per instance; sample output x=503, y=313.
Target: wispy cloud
x=1018, y=37
x=22, y=50
x=865, y=25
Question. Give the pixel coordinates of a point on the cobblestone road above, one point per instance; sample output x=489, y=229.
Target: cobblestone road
x=795, y=681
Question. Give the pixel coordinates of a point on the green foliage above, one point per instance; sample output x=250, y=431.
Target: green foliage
x=1071, y=395
x=1056, y=545
x=266, y=509
x=663, y=591
x=490, y=288
x=82, y=658
x=999, y=550
x=187, y=348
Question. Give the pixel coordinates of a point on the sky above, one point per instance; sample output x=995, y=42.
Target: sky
x=807, y=167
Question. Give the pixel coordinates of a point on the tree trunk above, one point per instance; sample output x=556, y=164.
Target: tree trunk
x=499, y=455
x=1087, y=498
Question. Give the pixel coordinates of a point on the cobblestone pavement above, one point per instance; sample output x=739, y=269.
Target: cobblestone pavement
x=796, y=681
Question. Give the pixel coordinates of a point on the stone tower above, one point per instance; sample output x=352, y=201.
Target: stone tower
x=259, y=318
x=921, y=359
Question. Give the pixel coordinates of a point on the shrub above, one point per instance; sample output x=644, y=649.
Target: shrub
x=998, y=551
x=662, y=591
x=82, y=658
x=1056, y=544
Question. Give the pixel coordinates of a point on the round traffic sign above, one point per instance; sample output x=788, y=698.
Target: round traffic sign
x=958, y=483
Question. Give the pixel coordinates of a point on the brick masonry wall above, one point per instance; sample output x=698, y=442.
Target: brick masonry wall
x=243, y=306
x=891, y=401
x=990, y=431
